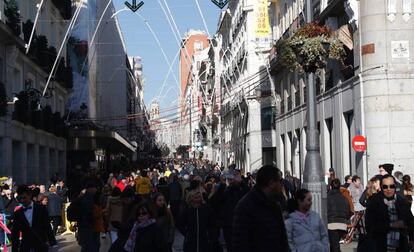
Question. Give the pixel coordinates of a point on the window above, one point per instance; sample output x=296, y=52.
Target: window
x=18, y=82
x=267, y=118
x=198, y=46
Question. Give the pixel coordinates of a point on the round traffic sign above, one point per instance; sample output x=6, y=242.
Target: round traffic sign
x=359, y=143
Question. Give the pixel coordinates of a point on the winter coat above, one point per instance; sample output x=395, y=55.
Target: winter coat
x=306, y=237
x=149, y=239
x=166, y=223
x=338, y=208
x=55, y=205
x=143, y=186
x=224, y=201
x=258, y=224
x=114, y=211
x=377, y=222
x=175, y=191
x=196, y=225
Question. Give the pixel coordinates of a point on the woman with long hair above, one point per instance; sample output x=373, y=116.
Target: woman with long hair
x=146, y=235
x=305, y=230
x=373, y=187
x=164, y=218
x=408, y=188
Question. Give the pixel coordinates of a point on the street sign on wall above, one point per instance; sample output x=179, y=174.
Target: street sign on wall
x=359, y=143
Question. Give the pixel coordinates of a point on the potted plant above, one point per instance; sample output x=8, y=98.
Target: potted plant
x=309, y=49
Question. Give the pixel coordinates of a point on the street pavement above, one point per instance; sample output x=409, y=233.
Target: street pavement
x=67, y=243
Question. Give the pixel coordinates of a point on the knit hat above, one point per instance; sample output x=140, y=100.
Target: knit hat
x=388, y=168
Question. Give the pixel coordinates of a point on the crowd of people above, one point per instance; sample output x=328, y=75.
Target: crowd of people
x=215, y=210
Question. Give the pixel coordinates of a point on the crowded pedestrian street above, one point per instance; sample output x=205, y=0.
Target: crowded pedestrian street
x=206, y=125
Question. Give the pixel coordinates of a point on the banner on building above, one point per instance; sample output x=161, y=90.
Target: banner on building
x=262, y=26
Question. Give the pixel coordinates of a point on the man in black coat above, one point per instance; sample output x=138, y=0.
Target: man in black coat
x=32, y=221
x=224, y=201
x=389, y=220
x=258, y=223
x=339, y=213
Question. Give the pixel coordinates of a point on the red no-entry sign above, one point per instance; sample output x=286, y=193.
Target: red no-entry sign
x=359, y=143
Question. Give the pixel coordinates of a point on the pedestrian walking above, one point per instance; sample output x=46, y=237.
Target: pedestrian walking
x=31, y=227
x=146, y=235
x=162, y=187
x=305, y=230
x=143, y=185
x=113, y=212
x=164, y=219
x=98, y=226
x=258, y=223
x=339, y=214
x=196, y=223
x=389, y=221
x=86, y=219
x=373, y=187
x=43, y=200
x=224, y=201
x=385, y=169
x=356, y=189
x=175, y=195
x=55, y=209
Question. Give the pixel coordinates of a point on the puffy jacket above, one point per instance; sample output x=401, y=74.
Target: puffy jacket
x=310, y=236
x=143, y=186
x=258, y=224
x=338, y=208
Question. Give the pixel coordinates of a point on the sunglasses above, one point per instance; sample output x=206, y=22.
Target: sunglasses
x=385, y=187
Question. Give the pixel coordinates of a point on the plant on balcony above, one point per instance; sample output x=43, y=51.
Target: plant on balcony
x=11, y=11
x=309, y=49
x=41, y=48
x=3, y=100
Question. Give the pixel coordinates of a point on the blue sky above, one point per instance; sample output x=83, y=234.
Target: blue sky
x=140, y=42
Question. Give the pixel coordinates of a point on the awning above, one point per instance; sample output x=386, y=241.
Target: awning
x=90, y=140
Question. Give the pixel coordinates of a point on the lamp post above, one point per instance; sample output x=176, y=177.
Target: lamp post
x=313, y=177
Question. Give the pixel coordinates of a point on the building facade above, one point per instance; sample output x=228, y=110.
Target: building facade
x=32, y=143
x=368, y=95
x=247, y=138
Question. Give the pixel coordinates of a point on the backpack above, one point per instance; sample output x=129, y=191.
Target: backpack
x=74, y=210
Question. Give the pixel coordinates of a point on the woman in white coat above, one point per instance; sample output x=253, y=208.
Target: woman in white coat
x=305, y=229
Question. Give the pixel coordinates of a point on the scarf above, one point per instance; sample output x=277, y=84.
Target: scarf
x=393, y=236
x=130, y=244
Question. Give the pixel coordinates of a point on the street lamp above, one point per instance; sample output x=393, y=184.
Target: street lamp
x=15, y=99
x=313, y=177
